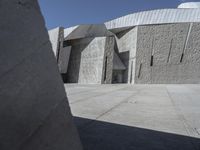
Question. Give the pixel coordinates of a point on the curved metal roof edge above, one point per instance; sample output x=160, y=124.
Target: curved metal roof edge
x=189, y=5
x=158, y=16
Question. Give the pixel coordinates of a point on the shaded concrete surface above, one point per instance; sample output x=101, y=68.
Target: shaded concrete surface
x=34, y=110
x=136, y=117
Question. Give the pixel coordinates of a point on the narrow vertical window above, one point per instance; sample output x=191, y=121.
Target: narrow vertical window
x=182, y=55
x=151, y=64
x=139, y=72
x=131, y=77
x=58, y=53
x=105, y=68
x=170, y=49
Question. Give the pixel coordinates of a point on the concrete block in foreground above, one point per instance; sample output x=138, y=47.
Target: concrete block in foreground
x=34, y=111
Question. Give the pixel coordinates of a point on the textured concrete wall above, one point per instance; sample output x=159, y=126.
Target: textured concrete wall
x=126, y=42
x=168, y=54
x=92, y=61
x=108, y=60
x=63, y=61
x=78, y=46
x=86, y=60
x=63, y=53
x=34, y=111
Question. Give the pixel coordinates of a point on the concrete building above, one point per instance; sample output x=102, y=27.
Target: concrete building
x=150, y=47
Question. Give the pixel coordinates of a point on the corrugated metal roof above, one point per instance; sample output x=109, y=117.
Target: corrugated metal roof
x=160, y=16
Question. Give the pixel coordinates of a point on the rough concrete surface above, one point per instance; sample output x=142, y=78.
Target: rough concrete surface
x=136, y=117
x=108, y=60
x=34, y=111
x=168, y=54
x=86, y=60
x=92, y=61
x=64, y=59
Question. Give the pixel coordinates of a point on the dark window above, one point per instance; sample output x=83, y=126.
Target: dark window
x=139, y=72
x=170, y=49
x=58, y=53
x=182, y=58
x=66, y=43
x=131, y=77
x=105, y=68
x=151, y=61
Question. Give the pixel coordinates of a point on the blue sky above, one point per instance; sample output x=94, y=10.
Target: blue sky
x=68, y=13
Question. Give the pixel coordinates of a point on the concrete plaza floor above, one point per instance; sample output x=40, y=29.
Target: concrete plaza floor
x=136, y=117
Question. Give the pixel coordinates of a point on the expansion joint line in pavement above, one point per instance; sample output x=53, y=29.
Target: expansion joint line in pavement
x=85, y=91
x=106, y=112
x=97, y=95
x=181, y=116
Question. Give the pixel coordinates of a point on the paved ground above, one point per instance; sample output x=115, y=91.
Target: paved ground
x=138, y=117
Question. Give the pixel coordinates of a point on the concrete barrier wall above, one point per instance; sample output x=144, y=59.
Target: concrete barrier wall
x=86, y=60
x=168, y=54
x=34, y=111
x=92, y=62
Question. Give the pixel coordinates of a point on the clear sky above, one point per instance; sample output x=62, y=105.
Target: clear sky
x=67, y=13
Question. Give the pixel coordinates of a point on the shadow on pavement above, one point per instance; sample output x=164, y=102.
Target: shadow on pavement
x=98, y=135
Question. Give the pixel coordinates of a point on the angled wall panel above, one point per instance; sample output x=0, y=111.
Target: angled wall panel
x=91, y=64
x=64, y=56
x=54, y=38
x=127, y=48
x=34, y=111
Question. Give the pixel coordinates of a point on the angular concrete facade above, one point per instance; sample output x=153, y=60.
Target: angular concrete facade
x=170, y=54
x=157, y=46
x=34, y=110
x=86, y=61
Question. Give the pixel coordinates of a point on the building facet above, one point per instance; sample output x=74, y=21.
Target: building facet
x=150, y=47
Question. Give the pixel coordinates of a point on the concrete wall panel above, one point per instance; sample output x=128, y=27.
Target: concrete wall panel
x=92, y=62
x=34, y=112
x=64, y=59
x=168, y=53
x=128, y=43
x=54, y=37
x=86, y=61
x=108, y=60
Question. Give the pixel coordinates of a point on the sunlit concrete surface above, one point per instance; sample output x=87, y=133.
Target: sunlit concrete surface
x=137, y=117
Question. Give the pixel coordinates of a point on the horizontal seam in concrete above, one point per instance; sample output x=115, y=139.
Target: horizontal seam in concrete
x=20, y=62
x=42, y=123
